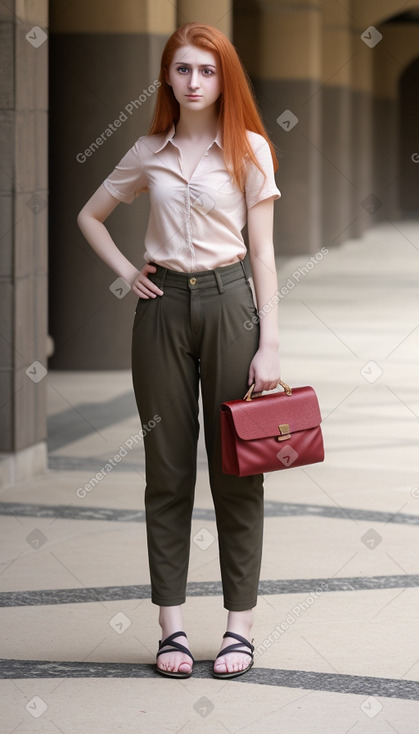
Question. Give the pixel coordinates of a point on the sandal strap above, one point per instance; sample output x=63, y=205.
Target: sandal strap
x=235, y=646
x=173, y=646
x=240, y=639
x=171, y=637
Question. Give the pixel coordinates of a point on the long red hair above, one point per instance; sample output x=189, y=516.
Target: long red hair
x=237, y=107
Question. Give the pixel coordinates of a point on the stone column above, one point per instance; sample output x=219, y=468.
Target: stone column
x=218, y=13
x=361, y=146
x=395, y=136
x=23, y=259
x=280, y=45
x=104, y=62
x=392, y=47
x=338, y=185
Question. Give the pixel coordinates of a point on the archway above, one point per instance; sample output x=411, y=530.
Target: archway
x=409, y=140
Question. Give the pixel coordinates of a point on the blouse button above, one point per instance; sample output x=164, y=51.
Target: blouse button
x=206, y=153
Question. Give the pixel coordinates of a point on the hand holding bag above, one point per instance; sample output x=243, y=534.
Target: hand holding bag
x=271, y=432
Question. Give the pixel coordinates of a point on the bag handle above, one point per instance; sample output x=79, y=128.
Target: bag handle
x=249, y=394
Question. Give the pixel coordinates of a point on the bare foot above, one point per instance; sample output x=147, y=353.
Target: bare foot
x=170, y=620
x=174, y=662
x=234, y=662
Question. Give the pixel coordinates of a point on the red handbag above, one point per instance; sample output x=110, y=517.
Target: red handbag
x=271, y=432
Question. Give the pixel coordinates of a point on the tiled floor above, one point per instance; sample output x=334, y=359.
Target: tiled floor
x=337, y=623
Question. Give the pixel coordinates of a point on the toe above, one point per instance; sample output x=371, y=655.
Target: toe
x=220, y=666
x=185, y=667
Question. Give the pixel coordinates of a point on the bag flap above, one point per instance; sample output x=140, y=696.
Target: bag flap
x=262, y=416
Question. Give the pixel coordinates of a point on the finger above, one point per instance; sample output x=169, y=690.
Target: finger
x=147, y=287
x=261, y=385
x=144, y=292
x=148, y=268
x=152, y=289
x=149, y=283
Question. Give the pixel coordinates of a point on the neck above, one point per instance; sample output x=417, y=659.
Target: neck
x=197, y=124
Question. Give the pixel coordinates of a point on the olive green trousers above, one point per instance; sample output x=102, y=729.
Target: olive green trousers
x=199, y=329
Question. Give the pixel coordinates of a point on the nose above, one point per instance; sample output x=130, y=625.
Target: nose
x=194, y=79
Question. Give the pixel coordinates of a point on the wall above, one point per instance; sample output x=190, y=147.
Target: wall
x=23, y=260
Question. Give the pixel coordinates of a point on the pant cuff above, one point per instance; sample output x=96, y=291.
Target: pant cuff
x=239, y=607
x=174, y=601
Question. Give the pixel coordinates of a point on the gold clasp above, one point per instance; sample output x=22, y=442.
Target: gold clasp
x=284, y=431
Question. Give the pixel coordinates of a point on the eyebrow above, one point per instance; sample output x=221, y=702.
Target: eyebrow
x=185, y=63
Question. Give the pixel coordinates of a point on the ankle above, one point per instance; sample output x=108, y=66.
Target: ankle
x=240, y=622
x=170, y=620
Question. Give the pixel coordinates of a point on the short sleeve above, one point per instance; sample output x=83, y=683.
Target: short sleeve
x=260, y=187
x=128, y=179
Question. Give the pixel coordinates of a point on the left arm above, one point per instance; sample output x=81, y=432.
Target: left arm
x=264, y=368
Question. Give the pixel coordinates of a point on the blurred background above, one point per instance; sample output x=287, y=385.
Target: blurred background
x=337, y=85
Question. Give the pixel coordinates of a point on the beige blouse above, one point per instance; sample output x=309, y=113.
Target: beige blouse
x=194, y=224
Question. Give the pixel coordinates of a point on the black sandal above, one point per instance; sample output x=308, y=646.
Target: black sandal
x=234, y=647
x=175, y=647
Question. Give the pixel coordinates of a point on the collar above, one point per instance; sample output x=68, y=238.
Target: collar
x=168, y=138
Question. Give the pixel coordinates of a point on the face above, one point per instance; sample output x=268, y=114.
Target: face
x=194, y=76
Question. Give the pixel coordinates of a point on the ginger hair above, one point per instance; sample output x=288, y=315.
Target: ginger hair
x=237, y=107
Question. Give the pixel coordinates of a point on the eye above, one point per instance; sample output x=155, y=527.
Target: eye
x=209, y=72
x=182, y=69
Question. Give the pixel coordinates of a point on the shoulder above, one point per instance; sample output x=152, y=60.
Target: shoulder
x=142, y=149
x=257, y=142
x=150, y=143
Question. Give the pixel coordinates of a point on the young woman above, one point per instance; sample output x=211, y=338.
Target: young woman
x=208, y=166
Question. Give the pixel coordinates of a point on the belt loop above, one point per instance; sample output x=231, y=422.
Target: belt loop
x=244, y=270
x=163, y=278
x=159, y=269
x=219, y=281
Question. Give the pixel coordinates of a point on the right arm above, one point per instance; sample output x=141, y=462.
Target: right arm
x=90, y=220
